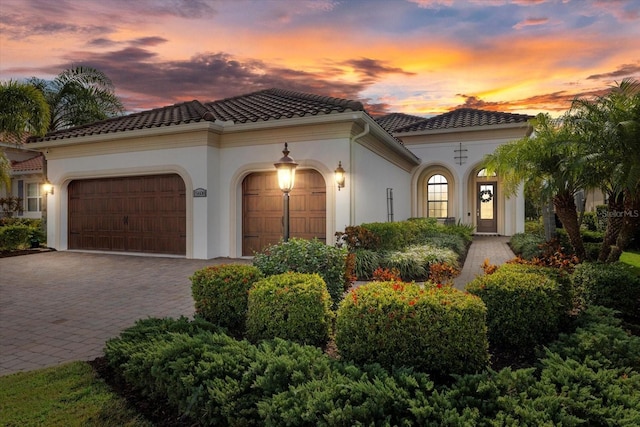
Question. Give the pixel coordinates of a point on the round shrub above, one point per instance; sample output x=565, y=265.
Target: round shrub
x=523, y=309
x=609, y=285
x=435, y=329
x=308, y=256
x=292, y=306
x=14, y=237
x=220, y=293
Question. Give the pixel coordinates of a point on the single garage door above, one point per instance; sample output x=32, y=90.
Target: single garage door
x=129, y=214
x=262, y=220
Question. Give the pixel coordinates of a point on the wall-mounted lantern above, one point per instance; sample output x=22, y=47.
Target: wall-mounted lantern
x=47, y=188
x=286, y=168
x=340, y=176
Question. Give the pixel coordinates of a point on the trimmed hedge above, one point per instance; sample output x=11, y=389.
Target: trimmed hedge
x=293, y=306
x=433, y=329
x=308, y=256
x=221, y=292
x=211, y=379
x=527, y=245
x=14, y=237
x=523, y=309
x=609, y=285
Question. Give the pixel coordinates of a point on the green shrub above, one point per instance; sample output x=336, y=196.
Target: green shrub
x=589, y=236
x=590, y=221
x=593, y=250
x=293, y=306
x=366, y=263
x=527, y=245
x=447, y=241
x=567, y=301
x=414, y=261
x=523, y=309
x=220, y=293
x=433, y=329
x=599, y=341
x=13, y=237
x=534, y=227
x=393, y=235
x=209, y=377
x=352, y=397
x=308, y=256
x=609, y=285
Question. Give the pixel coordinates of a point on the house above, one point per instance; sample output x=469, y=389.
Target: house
x=27, y=177
x=198, y=179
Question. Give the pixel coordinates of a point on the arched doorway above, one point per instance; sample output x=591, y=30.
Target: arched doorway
x=486, y=202
x=262, y=222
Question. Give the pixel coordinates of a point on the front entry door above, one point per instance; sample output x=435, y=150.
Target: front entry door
x=487, y=207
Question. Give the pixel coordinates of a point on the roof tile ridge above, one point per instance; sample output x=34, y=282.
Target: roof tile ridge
x=341, y=102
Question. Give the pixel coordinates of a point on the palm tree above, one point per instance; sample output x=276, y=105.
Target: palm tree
x=551, y=155
x=79, y=96
x=609, y=127
x=23, y=111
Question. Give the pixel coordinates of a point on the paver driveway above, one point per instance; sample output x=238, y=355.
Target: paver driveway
x=62, y=306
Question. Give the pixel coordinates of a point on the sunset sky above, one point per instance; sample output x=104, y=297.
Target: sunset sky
x=421, y=57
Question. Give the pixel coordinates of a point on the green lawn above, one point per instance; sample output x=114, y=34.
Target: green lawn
x=67, y=395
x=632, y=259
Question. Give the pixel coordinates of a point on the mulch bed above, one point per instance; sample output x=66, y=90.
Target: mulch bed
x=20, y=252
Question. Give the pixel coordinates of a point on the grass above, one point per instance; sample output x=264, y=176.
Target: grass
x=632, y=259
x=66, y=395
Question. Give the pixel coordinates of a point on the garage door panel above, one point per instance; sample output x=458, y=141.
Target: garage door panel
x=136, y=214
x=262, y=209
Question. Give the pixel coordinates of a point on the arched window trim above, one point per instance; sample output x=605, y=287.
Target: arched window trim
x=437, y=195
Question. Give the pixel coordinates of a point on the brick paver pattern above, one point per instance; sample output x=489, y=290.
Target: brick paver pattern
x=62, y=306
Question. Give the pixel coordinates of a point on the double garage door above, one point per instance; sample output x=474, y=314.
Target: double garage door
x=129, y=214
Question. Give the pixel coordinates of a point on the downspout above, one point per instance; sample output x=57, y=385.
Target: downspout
x=352, y=169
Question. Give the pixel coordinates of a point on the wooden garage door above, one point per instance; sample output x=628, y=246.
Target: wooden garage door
x=262, y=221
x=128, y=214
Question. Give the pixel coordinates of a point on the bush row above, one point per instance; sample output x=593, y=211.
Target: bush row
x=589, y=377
x=20, y=234
x=431, y=327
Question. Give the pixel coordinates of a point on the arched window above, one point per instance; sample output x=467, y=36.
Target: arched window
x=437, y=197
x=482, y=173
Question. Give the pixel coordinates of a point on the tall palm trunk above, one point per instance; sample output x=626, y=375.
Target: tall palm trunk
x=630, y=224
x=614, y=224
x=566, y=210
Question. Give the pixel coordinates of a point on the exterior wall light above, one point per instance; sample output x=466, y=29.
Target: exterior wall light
x=47, y=188
x=340, y=176
x=286, y=168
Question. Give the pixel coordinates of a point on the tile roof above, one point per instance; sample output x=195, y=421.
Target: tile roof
x=269, y=104
x=394, y=121
x=464, y=117
x=33, y=164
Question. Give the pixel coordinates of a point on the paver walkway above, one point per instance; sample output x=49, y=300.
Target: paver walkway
x=493, y=248
x=62, y=306
x=57, y=307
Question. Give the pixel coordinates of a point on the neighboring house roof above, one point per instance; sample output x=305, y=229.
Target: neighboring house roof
x=34, y=164
x=464, y=118
x=393, y=121
x=11, y=139
x=269, y=104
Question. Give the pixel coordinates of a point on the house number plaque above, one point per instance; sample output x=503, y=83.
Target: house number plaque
x=199, y=192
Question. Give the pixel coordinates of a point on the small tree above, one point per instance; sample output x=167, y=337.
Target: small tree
x=551, y=154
